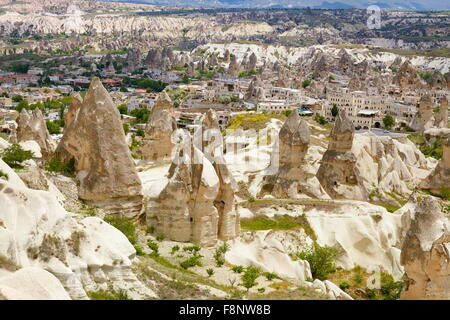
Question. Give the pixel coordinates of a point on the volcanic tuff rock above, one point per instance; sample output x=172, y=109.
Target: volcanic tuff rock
x=423, y=119
x=337, y=172
x=426, y=251
x=255, y=90
x=133, y=59
x=437, y=81
x=407, y=77
x=389, y=168
x=32, y=126
x=84, y=254
x=234, y=67
x=184, y=210
x=157, y=144
x=106, y=172
x=442, y=121
x=439, y=179
x=294, y=176
x=75, y=105
x=210, y=141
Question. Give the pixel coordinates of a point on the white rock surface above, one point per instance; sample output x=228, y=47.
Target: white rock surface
x=32, y=284
x=84, y=254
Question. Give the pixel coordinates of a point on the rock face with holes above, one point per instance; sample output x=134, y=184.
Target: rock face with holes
x=106, y=173
x=439, y=178
x=407, y=77
x=31, y=126
x=256, y=90
x=293, y=176
x=337, y=173
x=425, y=252
x=210, y=141
x=157, y=143
x=81, y=254
x=184, y=210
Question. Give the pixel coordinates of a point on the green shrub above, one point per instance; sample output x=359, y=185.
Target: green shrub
x=219, y=254
x=344, y=285
x=210, y=272
x=109, y=295
x=125, y=226
x=249, y=277
x=154, y=247
x=150, y=230
x=192, y=249
x=14, y=156
x=261, y=290
x=445, y=193
x=358, y=278
x=139, y=250
x=4, y=175
x=321, y=260
x=389, y=289
x=54, y=127
x=320, y=120
x=160, y=237
x=223, y=248
x=237, y=269
x=306, y=83
x=271, y=276
x=191, y=262
x=175, y=248
x=56, y=165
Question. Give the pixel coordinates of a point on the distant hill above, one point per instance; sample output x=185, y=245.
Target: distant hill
x=316, y=4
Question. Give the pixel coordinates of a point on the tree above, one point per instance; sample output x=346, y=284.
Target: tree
x=334, y=111
x=15, y=155
x=306, y=83
x=186, y=80
x=249, y=277
x=54, y=126
x=321, y=260
x=388, y=121
x=141, y=114
x=123, y=109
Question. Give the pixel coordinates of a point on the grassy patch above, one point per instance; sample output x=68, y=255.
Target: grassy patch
x=389, y=207
x=355, y=282
x=255, y=121
x=108, y=295
x=434, y=149
x=278, y=222
x=125, y=226
x=7, y=264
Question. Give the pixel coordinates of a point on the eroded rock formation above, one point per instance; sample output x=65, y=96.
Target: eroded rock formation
x=337, y=172
x=75, y=105
x=439, y=179
x=210, y=142
x=106, y=172
x=442, y=120
x=69, y=255
x=256, y=90
x=294, y=176
x=423, y=119
x=426, y=252
x=32, y=127
x=184, y=210
x=157, y=143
